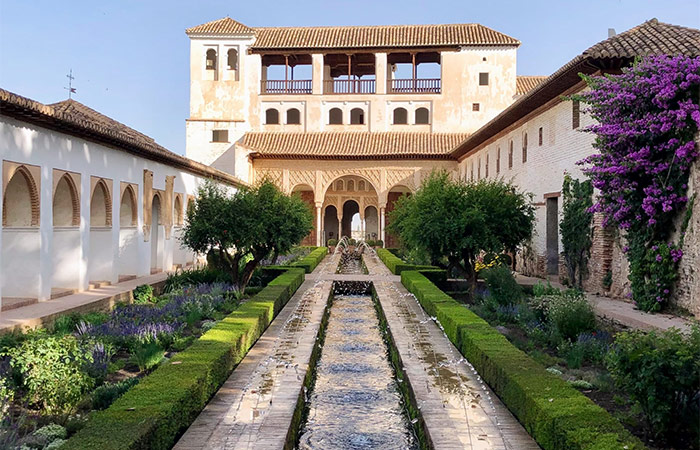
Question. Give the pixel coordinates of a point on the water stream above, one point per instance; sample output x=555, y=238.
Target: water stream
x=355, y=402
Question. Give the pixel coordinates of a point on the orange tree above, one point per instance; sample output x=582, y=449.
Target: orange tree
x=240, y=230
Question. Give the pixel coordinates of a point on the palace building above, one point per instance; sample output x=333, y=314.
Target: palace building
x=351, y=118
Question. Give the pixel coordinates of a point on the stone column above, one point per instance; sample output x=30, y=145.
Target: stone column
x=381, y=72
x=45, y=187
x=318, y=224
x=340, y=223
x=317, y=73
x=382, y=222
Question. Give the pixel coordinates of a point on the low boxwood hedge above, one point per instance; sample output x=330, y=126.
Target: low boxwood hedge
x=313, y=259
x=156, y=411
x=396, y=265
x=554, y=413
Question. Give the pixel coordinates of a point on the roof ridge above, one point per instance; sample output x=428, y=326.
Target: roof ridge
x=310, y=27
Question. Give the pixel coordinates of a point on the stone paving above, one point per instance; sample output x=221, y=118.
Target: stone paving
x=458, y=408
x=621, y=311
x=255, y=407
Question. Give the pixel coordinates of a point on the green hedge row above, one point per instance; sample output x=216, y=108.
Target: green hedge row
x=554, y=413
x=396, y=265
x=154, y=413
x=313, y=259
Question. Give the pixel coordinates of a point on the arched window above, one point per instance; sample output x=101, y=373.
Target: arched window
x=179, y=216
x=357, y=116
x=100, y=206
x=20, y=207
x=335, y=116
x=361, y=185
x=510, y=156
x=272, y=116
x=339, y=186
x=66, y=207
x=293, y=116
x=525, y=147
x=127, y=208
x=211, y=59
x=351, y=185
x=400, y=116
x=422, y=116
x=232, y=59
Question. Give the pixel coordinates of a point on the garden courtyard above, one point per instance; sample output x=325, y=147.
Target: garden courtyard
x=361, y=289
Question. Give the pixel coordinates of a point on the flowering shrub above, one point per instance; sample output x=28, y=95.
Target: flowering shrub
x=646, y=120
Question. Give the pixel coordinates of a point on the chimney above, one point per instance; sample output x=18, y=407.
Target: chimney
x=611, y=32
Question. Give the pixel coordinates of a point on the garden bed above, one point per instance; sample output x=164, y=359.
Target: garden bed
x=554, y=413
x=67, y=376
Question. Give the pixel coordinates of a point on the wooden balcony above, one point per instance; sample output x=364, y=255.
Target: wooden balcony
x=414, y=86
x=349, y=86
x=286, y=87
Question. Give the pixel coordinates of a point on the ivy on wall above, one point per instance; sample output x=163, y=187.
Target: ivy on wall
x=576, y=227
x=646, y=121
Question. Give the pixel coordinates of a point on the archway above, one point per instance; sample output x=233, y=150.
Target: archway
x=156, y=234
x=127, y=208
x=20, y=201
x=65, y=249
x=393, y=196
x=371, y=224
x=351, y=213
x=128, y=260
x=101, y=256
x=306, y=193
x=330, y=223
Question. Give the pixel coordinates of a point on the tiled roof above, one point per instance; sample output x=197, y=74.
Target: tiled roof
x=526, y=83
x=74, y=118
x=650, y=38
x=382, y=36
x=351, y=145
x=225, y=26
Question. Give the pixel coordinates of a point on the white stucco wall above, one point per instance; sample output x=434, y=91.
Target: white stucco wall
x=36, y=259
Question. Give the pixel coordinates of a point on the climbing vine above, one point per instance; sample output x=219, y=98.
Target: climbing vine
x=575, y=226
x=646, y=121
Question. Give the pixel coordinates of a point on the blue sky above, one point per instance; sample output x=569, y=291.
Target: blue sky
x=131, y=58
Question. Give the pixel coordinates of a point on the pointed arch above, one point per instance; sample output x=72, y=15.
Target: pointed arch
x=20, y=201
x=101, y=205
x=66, y=202
x=128, y=213
x=179, y=214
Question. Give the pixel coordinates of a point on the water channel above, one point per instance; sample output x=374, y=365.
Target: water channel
x=355, y=402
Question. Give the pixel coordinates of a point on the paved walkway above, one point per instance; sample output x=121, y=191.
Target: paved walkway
x=457, y=407
x=255, y=406
x=99, y=299
x=622, y=312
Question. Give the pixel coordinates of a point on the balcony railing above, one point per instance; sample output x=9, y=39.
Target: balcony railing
x=349, y=86
x=414, y=86
x=286, y=87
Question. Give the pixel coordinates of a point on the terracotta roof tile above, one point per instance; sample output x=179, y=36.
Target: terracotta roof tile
x=382, y=36
x=526, y=83
x=651, y=37
x=225, y=26
x=74, y=118
x=351, y=145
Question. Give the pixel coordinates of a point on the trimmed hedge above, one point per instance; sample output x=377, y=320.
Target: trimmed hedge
x=313, y=259
x=554, y=413
x=396, y=265
x=156, y=411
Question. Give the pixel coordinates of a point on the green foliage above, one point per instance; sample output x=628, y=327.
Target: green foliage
x=51, y=432
x=571, y=315
x=147, y=355
x=52, y=371
x=238, y=231
x=379, y=243
x=106, y=394
x=143, y=294
x=607, y=280
x=661, y=371
x=457, y=221
x=154, y=413
x=58, y=443
x=576, y=226
x=503, y=288
x=332, y=242
x=554, y=413
x=193, y=277
x=396, y=265
x=541, y=289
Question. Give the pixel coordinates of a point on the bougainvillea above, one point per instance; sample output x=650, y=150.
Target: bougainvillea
x=646, y=119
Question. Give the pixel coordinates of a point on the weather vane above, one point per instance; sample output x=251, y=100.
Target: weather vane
x=70, y=88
